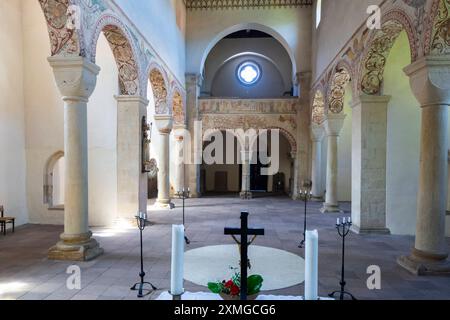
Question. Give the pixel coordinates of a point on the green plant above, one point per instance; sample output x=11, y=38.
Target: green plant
x=232, y=287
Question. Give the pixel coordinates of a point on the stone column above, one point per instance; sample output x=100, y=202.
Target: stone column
x=294, y=189
x=179, y=158
x=333, y=125
x=164, y=124
x=317, y=133
x=369, y=136
x=430, y=83
x=193, y=84
x=245, y=190
x=76, y=78
x=303, y=128
x=131, y=181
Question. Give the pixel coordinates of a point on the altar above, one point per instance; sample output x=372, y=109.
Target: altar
x=206, y=296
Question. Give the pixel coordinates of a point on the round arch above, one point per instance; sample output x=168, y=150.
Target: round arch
x=124, y=51
x=159, y=84
x=48, y=178
x=245, y=26
x=335, y=96
x=379, y=45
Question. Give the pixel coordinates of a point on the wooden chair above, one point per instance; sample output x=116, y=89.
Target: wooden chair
x=5, y=220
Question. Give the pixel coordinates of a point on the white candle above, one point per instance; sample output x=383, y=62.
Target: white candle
x=177, y=269
x=312, y=265
x=338, y=222
x=343, y=220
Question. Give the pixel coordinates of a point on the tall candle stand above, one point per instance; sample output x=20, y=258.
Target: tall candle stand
x=183, y=195
x=343, y=229
x=305, y=195
x=139, y=286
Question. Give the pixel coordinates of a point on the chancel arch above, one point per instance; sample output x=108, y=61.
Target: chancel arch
x=248, y=26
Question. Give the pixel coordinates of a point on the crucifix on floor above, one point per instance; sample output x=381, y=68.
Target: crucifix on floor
x=244, y=232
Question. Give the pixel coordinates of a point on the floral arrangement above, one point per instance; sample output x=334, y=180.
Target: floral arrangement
x=232, y=287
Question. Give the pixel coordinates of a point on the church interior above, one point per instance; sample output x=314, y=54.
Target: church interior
x=326, y=121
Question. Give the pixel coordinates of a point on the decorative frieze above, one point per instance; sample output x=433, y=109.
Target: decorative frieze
x=256, y=106
x=235, y=114
x=240, y=4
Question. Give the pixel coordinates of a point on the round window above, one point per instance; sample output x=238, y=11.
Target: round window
x=248, y=73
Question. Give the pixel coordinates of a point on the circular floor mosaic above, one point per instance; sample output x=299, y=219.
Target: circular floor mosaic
x=280, y=269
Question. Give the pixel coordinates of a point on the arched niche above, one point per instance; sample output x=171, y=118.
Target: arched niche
x=54, y=181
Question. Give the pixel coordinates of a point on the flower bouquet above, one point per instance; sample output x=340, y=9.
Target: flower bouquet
x=231, y=289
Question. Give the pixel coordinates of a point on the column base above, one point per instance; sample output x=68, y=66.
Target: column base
x=246, y=195
x=75, y=248
x=163, y=205
x=331, y=208
x=195, y=195
x=425, y=264
x=358, y=230
x=317, y=199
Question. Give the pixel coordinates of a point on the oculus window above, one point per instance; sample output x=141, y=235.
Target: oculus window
x=248, y=73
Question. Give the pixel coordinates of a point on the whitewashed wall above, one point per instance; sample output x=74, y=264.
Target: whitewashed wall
x=44, y=112
x=102, y=139
x=340, y=20
x=12, y=113
x=159, y=21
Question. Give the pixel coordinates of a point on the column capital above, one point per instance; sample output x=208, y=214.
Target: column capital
x=164, y=123
x=430, y=80
x=75, y=77
x=333, y=124
x=137, y=99
x=370, y=99
x=317, y=132
x=179, y=131
x=193, y=79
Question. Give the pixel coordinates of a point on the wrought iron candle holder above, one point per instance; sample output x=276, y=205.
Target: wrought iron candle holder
x=183, y=195
x=343, y=229
x=305, y=195
x=139, y=286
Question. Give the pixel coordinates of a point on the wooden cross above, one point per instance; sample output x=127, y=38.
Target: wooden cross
x=244, y=232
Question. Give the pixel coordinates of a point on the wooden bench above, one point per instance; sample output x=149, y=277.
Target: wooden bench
x=5, y=220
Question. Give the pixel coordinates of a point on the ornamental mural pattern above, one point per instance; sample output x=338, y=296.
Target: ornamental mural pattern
x=246, y=122
x=336, y=97
x=96, y=15
x=236, y=106
x=223, y=114
x=63, y=40
x=318, y=111
x=126, y=64
x=441, y=30
x=178, y=112
x=159, y=91
x=236, y=4
x=376, y=59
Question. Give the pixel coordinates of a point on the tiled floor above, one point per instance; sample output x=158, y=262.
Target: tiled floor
x=25, y=272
